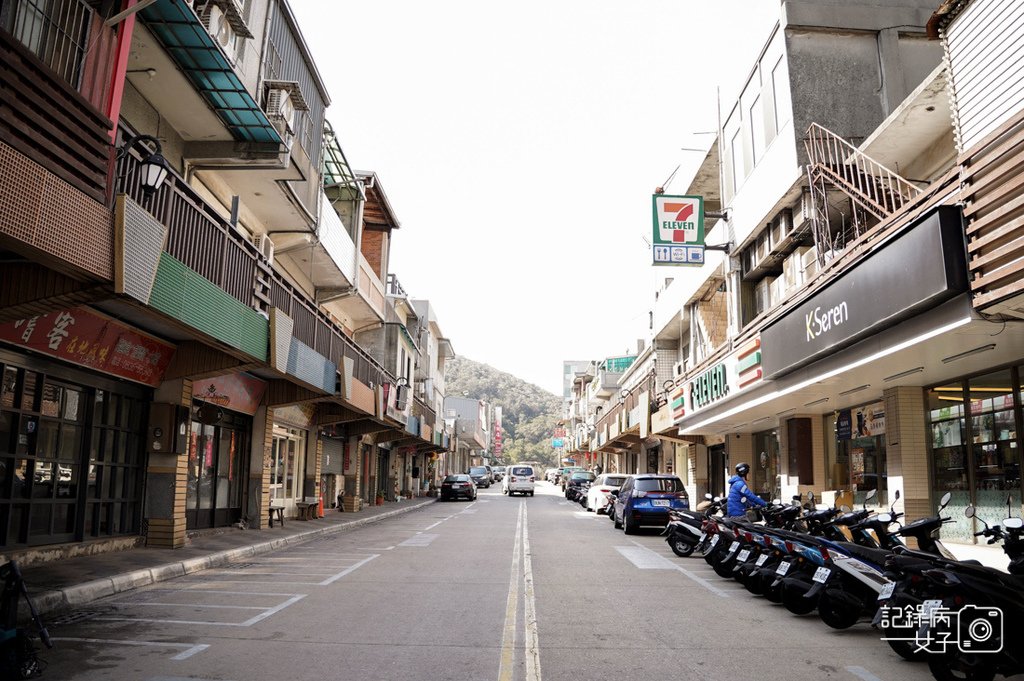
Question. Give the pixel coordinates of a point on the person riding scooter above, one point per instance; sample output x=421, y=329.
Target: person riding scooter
x=738, y=491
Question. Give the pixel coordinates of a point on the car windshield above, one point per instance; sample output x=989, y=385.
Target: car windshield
x=478, y=470
x=615, y=480
x=583, y=476
x=659, y=485
x=522, y=471
x=457, y=478
x=499, y=469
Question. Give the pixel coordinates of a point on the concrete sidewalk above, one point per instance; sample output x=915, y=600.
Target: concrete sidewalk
x=66, y=584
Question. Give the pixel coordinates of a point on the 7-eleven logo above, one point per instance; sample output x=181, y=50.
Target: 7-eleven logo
x=676, y=219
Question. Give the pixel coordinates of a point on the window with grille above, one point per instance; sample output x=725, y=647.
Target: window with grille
x=56, y=31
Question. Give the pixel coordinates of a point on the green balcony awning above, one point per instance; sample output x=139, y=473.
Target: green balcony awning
x=199, y=57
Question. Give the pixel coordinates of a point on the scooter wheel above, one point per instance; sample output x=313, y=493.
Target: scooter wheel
x=723, y=568
x=772, y=593
x=963, y=668
x=793, y=599
x=681, y=548
x=836, y=614
x=754, y=584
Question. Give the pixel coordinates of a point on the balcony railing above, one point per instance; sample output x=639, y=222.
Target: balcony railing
x=211, y=246
x=394, y=288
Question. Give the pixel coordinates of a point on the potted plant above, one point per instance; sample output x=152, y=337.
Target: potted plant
x=380, y=498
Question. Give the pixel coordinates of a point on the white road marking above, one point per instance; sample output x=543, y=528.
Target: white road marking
x=420, y=540
x=190, y=648
x=346, y=571
x=247, y=623
x=645, y=559
x=530, y=606
x=673, y=566
x=585, y=515
x=862, y=673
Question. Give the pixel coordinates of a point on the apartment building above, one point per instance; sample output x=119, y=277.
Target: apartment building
x=191, y=281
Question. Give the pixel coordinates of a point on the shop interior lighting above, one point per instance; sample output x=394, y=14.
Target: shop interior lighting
x=968, y=353
x=950, y=398
x=811, y=404
x=908, y=372
x=787, y=411
x=856, y=390
x=974, y=389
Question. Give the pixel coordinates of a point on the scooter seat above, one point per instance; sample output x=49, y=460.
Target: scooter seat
x=872, y=555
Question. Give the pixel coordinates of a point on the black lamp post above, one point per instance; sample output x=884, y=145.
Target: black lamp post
x=153, y=168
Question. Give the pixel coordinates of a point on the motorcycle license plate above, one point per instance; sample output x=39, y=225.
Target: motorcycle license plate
x=714, y=541
x=660, y=502
x=733, y=546
x=703, y=536
x=887, y=591
x=762, y=559
x=821, y=575
x=782, y=569
x=744, y=554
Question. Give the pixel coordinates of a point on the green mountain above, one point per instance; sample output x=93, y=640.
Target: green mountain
x=529, y=413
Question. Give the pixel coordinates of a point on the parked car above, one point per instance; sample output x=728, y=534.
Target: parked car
x=597, y=495
x=575, y=482
x=645, y=499
x=458, y=486
x=520, y=480
x=481, y=475
x=498, y=472
x=551, y=475
x=565, y=473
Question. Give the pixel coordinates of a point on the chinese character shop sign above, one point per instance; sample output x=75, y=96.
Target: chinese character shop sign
x=678, y=230
x=90, y=339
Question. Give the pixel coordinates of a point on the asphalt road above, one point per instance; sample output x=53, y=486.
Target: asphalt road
x=501, y=589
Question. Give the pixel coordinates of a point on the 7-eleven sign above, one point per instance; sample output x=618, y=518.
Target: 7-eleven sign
x=678, y=220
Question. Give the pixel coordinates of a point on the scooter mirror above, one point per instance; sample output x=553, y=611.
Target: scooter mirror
x=896, y=496
x=845, y=509
x=810, y=497
x=945, y=500
x=709, y=497
x=777, y=502
x=870, y=495
x=884, y=517
x=1013, y=523
x=969, y=511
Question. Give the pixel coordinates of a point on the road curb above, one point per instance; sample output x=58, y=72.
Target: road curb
x=55, y=601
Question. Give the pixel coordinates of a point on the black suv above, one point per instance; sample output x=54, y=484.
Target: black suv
x=481, y=475
x=575, y=481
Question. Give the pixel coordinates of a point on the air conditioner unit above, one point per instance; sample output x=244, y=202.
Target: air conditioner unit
x=216, y=23
x=265, y=246
x=281, y=112
x=679, y=369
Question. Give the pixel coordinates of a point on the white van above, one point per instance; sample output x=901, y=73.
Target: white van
x=518, y=480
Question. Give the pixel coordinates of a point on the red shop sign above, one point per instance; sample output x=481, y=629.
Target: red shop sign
x=90, y=339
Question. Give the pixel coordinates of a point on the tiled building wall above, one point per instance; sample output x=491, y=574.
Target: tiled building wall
x=906, y=449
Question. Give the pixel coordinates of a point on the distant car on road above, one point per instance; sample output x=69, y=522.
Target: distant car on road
x=597, y=495
x=566, y=472
x=498, y=472
x=551, y=475
x=519, y=480
x=458, y=486
x=576, y=481
x=481, y=475
x=645, y=499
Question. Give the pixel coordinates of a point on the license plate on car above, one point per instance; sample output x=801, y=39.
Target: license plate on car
x=821, y=575
x=762, y=559
x=782, y=569
x=733, y=546
x=660, y=502
x=714, y=541
x=744, y=554
x=887, y=591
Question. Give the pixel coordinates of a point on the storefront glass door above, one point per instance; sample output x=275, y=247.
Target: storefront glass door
x=216, y=474
x=287, y=466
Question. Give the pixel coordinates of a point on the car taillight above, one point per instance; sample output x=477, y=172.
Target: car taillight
x=603, y=489
x=682, y=495
x=531, y=479
x=513, y=478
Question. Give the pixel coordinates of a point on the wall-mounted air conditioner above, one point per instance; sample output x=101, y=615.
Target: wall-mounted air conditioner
x=265, y=246
x=218, y=25
x=679, y=369
x=283, y=99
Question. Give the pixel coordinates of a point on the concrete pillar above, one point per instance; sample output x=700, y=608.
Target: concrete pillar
x=260, y=468
x=906, y=450
x=167, y=472
x=699, y=478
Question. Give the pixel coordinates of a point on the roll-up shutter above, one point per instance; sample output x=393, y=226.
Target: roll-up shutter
x=985, y=45
x=334, y=454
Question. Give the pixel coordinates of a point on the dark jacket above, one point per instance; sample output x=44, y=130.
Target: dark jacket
x=738, y=491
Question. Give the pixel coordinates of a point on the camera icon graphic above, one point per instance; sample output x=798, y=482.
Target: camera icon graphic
x=980, y=629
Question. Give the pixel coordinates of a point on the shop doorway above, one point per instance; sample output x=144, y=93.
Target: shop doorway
x=216, y=474
x=287, y=464
x=717, y=463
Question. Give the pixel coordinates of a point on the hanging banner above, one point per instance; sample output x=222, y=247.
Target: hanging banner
x=678, y=230
x=90, y=339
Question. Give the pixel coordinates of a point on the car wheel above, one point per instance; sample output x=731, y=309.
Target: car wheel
x=531, y=494
x=629, y=527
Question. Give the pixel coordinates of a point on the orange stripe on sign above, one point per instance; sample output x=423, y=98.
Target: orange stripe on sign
x=749, y=348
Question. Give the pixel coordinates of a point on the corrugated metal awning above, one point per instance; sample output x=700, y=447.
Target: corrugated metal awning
x=199, y=57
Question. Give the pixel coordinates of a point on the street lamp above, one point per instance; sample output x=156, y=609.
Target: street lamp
x=153, y=168
x=402, y=382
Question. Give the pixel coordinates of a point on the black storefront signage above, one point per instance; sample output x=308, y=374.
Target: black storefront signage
x=919, y=269
x=709, y=387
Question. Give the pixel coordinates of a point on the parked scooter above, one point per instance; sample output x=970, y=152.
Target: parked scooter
x=684, y=530
x=18, y=658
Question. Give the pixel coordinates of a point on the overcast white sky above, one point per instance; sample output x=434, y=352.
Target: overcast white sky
x=519, y=144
